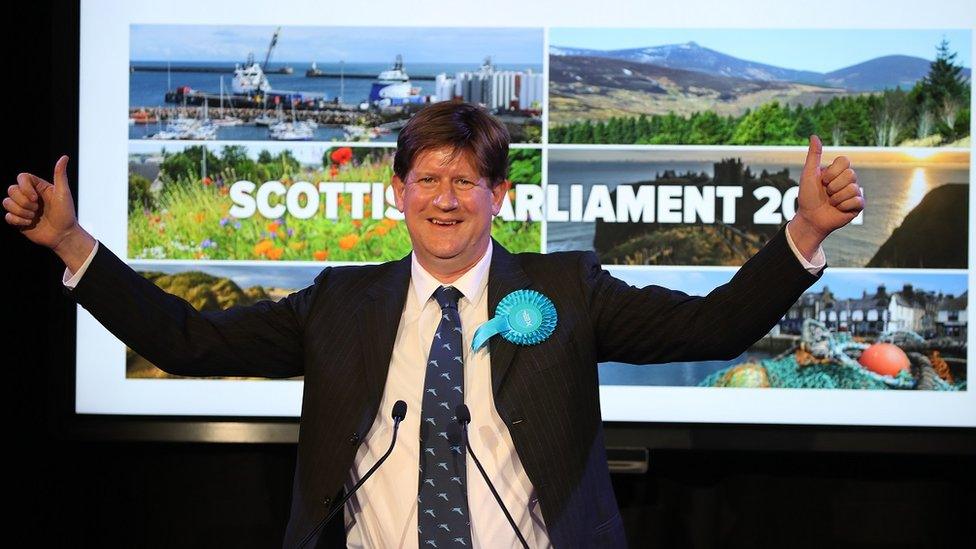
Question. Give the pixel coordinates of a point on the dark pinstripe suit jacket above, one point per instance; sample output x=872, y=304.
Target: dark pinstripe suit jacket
x=339, y=333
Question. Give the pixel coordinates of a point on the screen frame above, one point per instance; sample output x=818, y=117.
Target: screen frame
x=64, y=123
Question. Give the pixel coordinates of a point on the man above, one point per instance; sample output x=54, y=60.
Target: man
x=367, y=336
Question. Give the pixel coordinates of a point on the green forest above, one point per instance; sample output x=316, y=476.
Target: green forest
x=934, y=112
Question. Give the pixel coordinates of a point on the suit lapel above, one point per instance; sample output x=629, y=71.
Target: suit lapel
x=504, y=277
x=379, y=323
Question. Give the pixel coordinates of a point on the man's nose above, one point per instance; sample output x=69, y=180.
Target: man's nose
x=446, y=198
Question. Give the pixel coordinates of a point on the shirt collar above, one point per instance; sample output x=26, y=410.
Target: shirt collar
x=472, y=283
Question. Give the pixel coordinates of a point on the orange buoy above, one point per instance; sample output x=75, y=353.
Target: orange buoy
x=884, y=358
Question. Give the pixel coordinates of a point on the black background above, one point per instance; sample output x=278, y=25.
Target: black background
x=70, y=490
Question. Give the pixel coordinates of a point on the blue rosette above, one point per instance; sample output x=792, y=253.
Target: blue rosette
x=524, y=317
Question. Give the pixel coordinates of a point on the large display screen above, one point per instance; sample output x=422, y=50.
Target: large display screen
x=231, y=151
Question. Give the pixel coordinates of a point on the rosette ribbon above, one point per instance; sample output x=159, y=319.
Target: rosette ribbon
x=524, y=317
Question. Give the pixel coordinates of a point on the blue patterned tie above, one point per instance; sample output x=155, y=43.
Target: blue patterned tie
x=442, y=502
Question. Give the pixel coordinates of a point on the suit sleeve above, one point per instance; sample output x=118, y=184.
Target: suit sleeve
x=260, y=340
x=654, y=324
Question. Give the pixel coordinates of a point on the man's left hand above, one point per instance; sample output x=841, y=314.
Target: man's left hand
x=829, y=198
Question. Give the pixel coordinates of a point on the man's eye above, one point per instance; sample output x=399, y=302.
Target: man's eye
x=465, y=184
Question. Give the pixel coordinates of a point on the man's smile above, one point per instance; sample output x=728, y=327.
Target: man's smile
x=442, y=222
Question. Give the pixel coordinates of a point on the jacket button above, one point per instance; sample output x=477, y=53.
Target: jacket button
x=354, y=438
x=327, y=501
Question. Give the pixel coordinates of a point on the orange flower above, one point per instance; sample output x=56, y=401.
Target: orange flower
x=340, y=156
x=357, y=223
x=388, y=223
x=348, y=242
x=199, y=217
x=272, y=227
x=321, y=255
x=275, y=253
x=381, y=230
x=297, y=246
x=262, y=247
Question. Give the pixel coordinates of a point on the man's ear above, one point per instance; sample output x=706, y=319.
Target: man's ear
x=498, y=193
x=399, y=187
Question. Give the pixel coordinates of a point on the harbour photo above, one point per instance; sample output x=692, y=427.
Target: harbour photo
x=237, y=83
x=863, y=330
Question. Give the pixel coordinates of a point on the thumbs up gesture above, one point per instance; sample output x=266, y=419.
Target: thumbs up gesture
x=829, y=198
x=45, y=214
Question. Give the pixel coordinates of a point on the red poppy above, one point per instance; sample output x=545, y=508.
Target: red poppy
x=341, y=156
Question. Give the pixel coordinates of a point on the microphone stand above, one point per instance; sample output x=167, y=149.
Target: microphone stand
x=464, y=417
x=399, y=412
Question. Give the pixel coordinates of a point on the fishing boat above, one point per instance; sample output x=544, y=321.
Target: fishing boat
x=222, y=120
x=360, y=133
x=296, y=130
x=314, y=71
x=392, y=87
x=265, y=120
x=186, y=128
x=289, y=131
x=250, y=78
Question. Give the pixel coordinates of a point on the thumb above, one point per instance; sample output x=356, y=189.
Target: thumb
x=814, y=152
x=61, y=176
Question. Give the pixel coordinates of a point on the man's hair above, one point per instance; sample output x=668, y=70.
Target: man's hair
x=461, y=126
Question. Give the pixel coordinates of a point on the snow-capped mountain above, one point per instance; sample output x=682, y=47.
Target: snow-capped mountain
x=875, y=74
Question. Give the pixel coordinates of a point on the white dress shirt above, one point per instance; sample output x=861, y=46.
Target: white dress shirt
x=383, y=513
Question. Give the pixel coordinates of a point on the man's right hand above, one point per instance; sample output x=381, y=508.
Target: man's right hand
x=45, y=214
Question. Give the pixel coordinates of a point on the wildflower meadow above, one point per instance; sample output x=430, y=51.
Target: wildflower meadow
x=184, y=213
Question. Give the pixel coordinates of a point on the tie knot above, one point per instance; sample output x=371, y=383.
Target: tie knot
x=447, y=297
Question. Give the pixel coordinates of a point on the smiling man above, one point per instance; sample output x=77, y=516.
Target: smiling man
x=449, y=189
x=365, y=337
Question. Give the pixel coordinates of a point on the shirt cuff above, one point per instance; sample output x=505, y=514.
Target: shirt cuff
x=72, y=280
x=819, y=259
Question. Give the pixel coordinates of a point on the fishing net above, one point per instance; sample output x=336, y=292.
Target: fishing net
x=828, y=360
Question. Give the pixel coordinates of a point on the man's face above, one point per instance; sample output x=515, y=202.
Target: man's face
x=448, y=208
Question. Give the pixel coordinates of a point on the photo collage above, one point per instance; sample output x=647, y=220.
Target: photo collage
x=258, y=155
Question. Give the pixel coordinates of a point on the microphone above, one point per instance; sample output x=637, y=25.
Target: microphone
x=399, y=412
x=464, y=417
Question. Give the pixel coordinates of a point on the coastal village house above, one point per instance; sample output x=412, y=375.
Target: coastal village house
x=929, y=314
